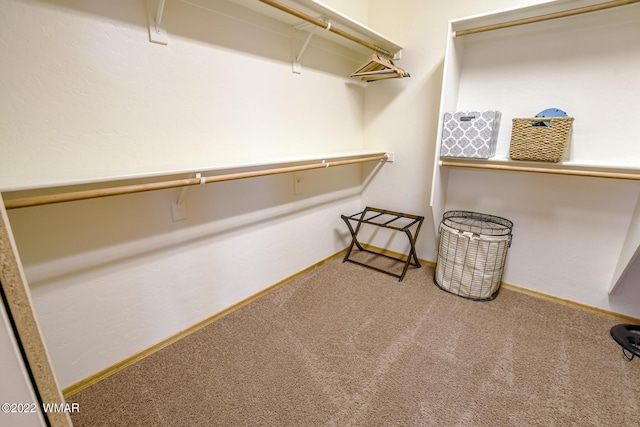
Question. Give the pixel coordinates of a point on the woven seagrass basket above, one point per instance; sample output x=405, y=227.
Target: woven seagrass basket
x=540, y=143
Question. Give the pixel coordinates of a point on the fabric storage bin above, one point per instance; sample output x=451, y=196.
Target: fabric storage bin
x=471, y=254
x=472, y=134
x=544, y=142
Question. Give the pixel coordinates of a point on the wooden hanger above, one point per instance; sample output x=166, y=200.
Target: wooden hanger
x=378, y=68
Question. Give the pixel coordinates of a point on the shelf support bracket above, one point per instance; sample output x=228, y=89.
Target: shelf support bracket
x=297, y=66
x=157, y=33
x=179, y=207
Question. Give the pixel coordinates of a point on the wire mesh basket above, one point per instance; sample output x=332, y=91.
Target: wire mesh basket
x=471, y=254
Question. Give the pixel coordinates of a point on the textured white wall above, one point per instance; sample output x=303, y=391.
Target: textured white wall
x=568, y=231
x=355, y=9
x=85, y=90
x=86, y=93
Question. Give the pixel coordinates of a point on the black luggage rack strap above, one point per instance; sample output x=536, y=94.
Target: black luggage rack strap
x=361, y=218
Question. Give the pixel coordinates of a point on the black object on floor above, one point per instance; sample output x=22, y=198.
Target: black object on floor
x=629, y=339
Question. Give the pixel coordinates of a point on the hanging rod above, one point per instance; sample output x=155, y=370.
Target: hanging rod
x=546, y=17
x=595, y=174
x=138, y=188
x=326, y=26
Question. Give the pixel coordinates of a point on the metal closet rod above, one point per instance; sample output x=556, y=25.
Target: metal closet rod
x=326, y=26
x=139, y=188
x=547, y=17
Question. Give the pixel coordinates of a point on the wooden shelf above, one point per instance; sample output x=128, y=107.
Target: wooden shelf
x=567, y=168
x=34, y=182
x=342, y=30
x=199, y=179
x=550, y=10
x=321, y=11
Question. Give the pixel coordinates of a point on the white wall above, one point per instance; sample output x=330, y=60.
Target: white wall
x=355, y=9
x=568, y=231
x=85, y=93
x=95, y=95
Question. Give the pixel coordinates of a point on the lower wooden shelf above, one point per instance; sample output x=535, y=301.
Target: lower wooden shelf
x=631, y=248
x=597, y=171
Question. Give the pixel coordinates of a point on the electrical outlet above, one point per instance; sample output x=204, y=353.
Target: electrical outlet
x=297, y=183
x=179, y=211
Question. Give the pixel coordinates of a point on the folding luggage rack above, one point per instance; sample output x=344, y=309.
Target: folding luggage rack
x=384, y=219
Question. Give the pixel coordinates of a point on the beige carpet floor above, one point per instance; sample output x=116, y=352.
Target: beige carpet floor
x=348, y=346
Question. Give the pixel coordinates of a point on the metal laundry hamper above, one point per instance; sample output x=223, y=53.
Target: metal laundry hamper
x=471, y=254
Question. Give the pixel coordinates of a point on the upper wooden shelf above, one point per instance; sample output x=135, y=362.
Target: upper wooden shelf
x=323, y=12
x=545, y=11
x=310, y=16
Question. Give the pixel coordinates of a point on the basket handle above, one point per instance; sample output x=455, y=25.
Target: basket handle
x=548, y=121
x=469, y=235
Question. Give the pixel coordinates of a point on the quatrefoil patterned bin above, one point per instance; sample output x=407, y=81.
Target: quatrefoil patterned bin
x=472, y=134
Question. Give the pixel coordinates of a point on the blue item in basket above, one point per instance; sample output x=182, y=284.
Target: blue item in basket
x=549, y=112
